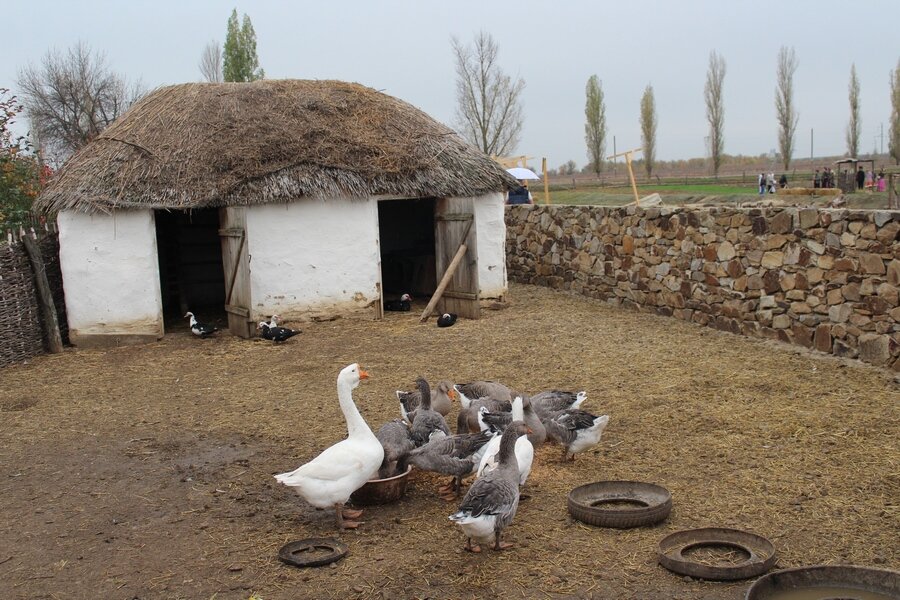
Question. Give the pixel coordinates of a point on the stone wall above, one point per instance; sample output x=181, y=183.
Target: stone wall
x=826, y=279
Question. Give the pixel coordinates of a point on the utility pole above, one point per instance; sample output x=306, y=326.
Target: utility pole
x=810, y=145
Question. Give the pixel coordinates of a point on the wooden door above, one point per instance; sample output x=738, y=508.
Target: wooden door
x=454, y=217
x=236, y=264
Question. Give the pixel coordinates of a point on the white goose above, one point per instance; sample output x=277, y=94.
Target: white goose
x=328, y=480
x=524, y=447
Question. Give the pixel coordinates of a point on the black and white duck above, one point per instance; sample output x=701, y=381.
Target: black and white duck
x=404, y=304
x=446, y=319
x=441, y=400
x=201, y=329
x=426, y=419
x=490, y=504
x=576, y=430
x=276, y=333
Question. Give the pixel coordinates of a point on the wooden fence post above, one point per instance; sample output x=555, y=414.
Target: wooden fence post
x=48, y=309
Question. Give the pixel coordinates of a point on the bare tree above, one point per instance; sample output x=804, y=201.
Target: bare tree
x=488, y=110
x=595, y=123
x=894, y=131
x=715, y=109
x=855, y=124
x=568, y=168
x=648, y=129
x=784, y=104
x=211, y=62
x=70, y=98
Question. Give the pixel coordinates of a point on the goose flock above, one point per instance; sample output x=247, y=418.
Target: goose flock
x=497, y=432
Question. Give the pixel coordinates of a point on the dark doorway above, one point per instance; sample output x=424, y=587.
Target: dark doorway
x=406, y=233
x=190, y=265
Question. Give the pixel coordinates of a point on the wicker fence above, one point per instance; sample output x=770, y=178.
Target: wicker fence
x=21, y=330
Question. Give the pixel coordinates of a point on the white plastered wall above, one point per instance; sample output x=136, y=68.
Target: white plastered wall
x=110, y=275
x=313, y=257
x=490, y=231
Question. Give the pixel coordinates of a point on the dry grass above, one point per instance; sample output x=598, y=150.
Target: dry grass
x=176, y=442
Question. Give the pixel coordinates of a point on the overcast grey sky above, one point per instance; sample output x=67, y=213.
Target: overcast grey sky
x=403, y=48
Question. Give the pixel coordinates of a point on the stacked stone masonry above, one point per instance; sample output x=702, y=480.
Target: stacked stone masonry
x=826, y=279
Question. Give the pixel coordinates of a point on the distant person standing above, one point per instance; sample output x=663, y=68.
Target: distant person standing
x=881, y=182
x=770, y=183
x=860, y=178
x=817, y=179
x=520, y=195
x=762, y=183
x=782, y=181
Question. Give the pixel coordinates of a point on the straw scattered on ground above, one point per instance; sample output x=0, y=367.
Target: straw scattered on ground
x=146, y=471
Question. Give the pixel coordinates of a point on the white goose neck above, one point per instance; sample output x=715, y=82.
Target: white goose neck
x=356, y=425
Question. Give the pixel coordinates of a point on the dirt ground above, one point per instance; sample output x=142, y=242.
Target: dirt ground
x=146, y=472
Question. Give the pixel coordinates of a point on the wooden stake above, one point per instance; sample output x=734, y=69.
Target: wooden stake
x=627, y=154
x=631, y=176
x=48, y=309
x=448, y=274
x=546, y=182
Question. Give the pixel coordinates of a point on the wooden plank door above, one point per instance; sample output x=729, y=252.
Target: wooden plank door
x=452, y=217
x=236, y=264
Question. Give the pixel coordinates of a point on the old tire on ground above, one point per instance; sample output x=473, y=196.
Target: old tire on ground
x=592, y=504
x=850, y=579
x=760, y=551
x=302, y=553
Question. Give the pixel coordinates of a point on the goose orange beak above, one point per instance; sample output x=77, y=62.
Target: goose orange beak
x=363, y=374
x=452, y=394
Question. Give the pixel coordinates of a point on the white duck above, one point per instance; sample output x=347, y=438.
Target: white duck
x=524, y=447
x=329, y=479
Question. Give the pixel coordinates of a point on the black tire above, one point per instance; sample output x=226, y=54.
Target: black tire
x=654, y=503
x=760, y=551
x=297, y=553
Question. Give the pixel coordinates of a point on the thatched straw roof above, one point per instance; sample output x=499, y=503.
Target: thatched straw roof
x=200, y=144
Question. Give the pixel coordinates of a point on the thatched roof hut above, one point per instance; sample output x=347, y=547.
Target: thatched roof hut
x=341, y=194
x=199, y=145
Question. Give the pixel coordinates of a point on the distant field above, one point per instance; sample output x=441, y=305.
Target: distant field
x=677, y=195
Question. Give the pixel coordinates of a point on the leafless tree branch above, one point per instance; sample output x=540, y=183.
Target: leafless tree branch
x=70, y=98
x=211, y=62
x=488, y=111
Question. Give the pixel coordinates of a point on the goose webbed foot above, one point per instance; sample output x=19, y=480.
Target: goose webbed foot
x=344, y=517
x=350, y=513
x=473, y=548
x=498, y=545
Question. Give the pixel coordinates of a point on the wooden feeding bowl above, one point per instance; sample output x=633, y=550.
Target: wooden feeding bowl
x=382, y=491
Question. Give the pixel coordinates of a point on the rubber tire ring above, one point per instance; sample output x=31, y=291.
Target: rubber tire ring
x=289, y=552
x=621, y=518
